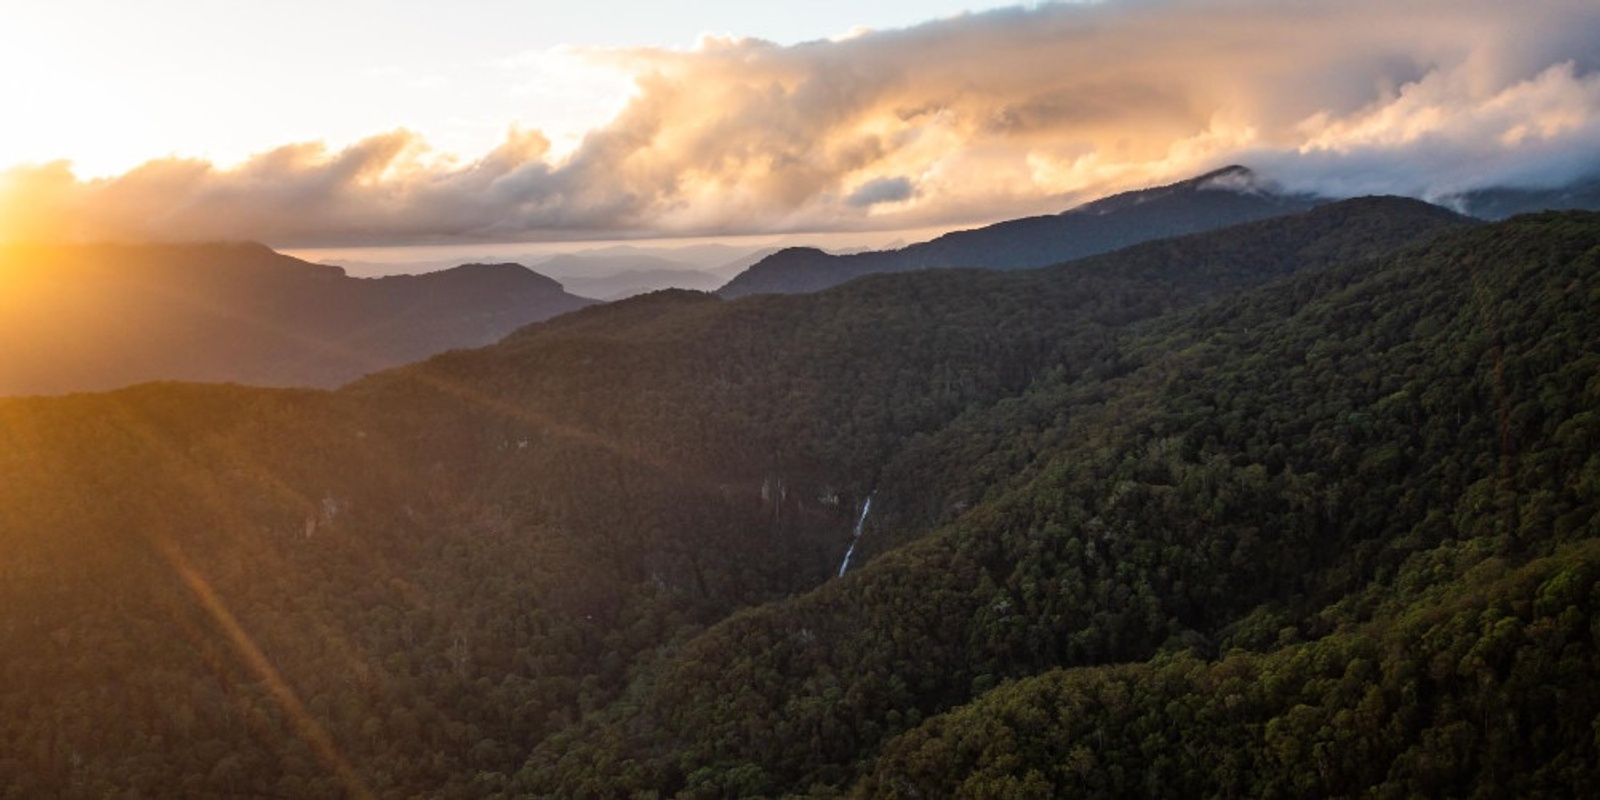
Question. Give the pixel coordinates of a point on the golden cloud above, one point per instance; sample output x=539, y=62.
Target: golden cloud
x=978, y=117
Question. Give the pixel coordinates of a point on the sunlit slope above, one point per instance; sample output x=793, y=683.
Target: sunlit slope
x=330, y=602
x=406, y=586
x=81, y=318
x=1370, y=451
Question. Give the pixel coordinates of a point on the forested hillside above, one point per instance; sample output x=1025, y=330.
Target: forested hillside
x=1306, y=506
x=1356, y=445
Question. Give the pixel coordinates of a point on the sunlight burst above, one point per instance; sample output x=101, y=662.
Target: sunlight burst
x=58, y=105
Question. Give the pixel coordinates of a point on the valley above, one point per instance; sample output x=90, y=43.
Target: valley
x=1304, y=505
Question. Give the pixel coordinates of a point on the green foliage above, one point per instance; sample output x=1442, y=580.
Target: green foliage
x=1489, y=689
x=1258, y=473
x=1280, y=511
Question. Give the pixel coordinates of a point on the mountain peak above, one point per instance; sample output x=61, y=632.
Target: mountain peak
x=1230, y=171
x=1233, y=179
x=1237, y=179
x=803, y=251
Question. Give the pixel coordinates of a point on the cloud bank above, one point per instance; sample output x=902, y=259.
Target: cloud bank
x=978, y=117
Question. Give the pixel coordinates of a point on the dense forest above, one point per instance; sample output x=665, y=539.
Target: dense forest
x=1301, y=507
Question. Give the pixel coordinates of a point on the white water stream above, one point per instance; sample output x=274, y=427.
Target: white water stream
x=861, y=520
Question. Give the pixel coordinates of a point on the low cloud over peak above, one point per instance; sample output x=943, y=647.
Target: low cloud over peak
x=1004, y=113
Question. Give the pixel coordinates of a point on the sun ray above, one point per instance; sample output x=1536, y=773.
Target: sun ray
x=250, y=654
x=305, y=725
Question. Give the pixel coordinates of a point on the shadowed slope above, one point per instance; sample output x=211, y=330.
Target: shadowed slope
x=1226, y=197
x=96, y=317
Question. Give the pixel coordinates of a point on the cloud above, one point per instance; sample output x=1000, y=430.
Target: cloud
x=981, y=116
x=881, y=190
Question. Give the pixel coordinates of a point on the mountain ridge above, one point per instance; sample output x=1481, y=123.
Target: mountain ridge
x=1215, y=199
x=1217, y=473
x=100, y=316
x=1318, y=489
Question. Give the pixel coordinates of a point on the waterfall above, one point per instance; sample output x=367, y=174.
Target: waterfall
x=854, y=539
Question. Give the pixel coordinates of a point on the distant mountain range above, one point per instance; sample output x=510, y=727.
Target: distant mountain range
x=601, y=273
x=1500, y=203
x=99, y=317
x=716, y=259
x=1217, y=199
x=621, y=272
x=630, y=282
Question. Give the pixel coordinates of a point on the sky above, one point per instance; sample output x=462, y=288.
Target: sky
x=362, y=122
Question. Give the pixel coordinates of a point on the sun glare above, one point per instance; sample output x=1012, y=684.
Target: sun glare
x=60, y=107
